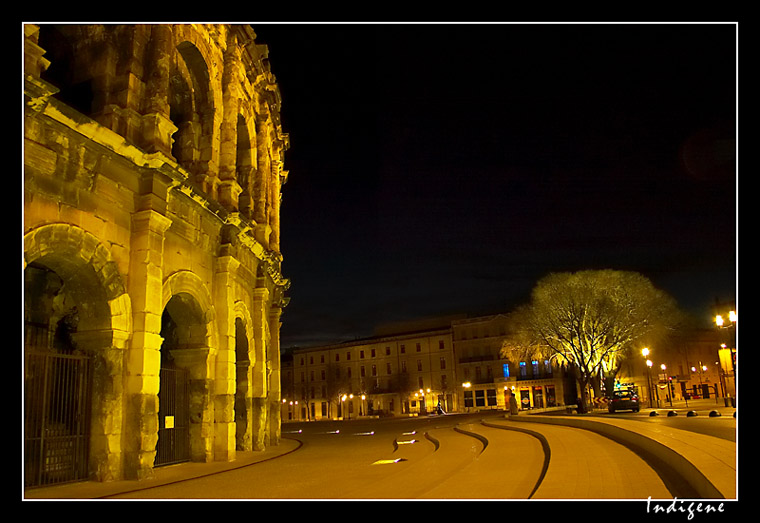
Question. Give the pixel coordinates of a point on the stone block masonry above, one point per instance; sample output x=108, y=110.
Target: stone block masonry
x=153, y=171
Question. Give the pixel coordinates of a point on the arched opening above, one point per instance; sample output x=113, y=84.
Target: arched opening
x=63, y=300
x=242, y=393
x=244, y=167
x=182, y=327
x=190, y=108
x=75, y=83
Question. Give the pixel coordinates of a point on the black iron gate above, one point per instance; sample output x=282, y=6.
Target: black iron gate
x=56, y=418
x=173, y=418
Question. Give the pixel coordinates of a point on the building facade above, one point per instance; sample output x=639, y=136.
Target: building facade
x=412, y=369
x=686, y=366
x=489, y=378
x=153, y=167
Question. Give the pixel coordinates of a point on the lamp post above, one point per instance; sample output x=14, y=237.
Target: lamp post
x=466, y=385
x=645, y=353
x=730, y=350
x=667, y=383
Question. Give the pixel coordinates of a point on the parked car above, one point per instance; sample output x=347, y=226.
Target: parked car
x=624, y=401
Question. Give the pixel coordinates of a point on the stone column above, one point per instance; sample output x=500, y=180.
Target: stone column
x=263, y=179
x=229, y=190
x=225, y=370
x=157, y=126
x=107, y=349
x=273, y=362
x=260, y=336
x=143, y=360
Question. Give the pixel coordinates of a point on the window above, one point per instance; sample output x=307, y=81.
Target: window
x=311, y=360
x=323, y=375
x=403, y=366
x=403, y=349
x=444, y=382
x=387, y=351
x=480, y=398
x=523, y=370
x=534, y=363
x=441, y=345
x=505, y=370
x=547, y=367
x=374, y=370
x=348, y=356
x=387, y=368
x=337, y=357
x=321, y=358
x=373, y=353
x=420, y=382
x=443, y=363
x=419, y=348
x=361, y=354
x=348, y=373
x=468, y=398
x=491, y=397
x=361, y=371
x=419, y=365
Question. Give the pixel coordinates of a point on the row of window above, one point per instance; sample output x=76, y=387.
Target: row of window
x=372, y=353
x=373, y=370
x=506, y=373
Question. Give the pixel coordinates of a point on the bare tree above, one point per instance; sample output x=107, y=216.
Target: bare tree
x=591, y=320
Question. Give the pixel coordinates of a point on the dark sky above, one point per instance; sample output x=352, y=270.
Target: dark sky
x=445, y=168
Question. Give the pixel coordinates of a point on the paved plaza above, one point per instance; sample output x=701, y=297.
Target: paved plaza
x=486, y=455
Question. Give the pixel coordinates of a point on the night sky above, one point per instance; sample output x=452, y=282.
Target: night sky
x=440, y=169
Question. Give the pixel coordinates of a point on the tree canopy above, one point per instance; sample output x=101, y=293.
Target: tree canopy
x=591, y=319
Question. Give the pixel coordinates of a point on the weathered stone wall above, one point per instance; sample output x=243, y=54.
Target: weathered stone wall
x=153, y=166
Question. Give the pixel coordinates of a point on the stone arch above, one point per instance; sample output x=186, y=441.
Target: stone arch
x=193, y=56
x=191, y=108
x=195, y=351
x=240, y=312
x=244, y=361
x=89, y=288
x=187, y=282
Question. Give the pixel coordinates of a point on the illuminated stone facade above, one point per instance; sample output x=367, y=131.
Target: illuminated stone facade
x=409, y=369
x=153, y=166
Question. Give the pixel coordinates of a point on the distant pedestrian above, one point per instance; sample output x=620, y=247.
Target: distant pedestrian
x=512, y=403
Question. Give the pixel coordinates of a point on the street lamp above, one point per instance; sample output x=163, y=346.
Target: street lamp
x=656, y=394
x=667, y=383
x=645, y=353
x=728, y=352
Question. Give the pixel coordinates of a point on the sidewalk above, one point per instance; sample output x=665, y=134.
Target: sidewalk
x=708, y=463
x=701, y=406
x=161, y=476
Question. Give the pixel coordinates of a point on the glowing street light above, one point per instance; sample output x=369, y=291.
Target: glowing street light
x=645, y=353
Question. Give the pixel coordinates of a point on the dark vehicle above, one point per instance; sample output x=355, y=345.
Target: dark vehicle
x=624, y=401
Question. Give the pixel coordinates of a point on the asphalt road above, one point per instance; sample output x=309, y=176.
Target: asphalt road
x=440, y=457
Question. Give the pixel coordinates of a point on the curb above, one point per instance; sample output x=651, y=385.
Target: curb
x=669, y=462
